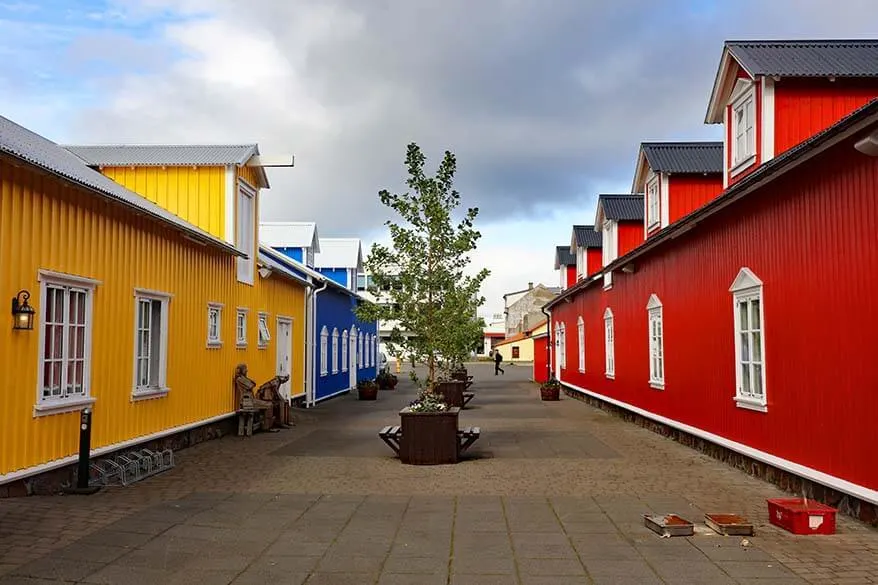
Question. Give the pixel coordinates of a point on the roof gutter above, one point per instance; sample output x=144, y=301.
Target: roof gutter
x=855, y=122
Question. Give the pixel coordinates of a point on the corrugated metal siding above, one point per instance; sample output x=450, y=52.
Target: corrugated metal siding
x=193, y=194
x=630, y=236
x=807, y=237
x=571, y=275
x=45, y=225
x=686, y=193
x=594, y=260
x=539, y=367
x=805, y=107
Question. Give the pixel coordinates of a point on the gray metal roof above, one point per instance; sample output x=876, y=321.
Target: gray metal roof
x=684, y=157
x=808, y=58
x=21, y=143
x=112, y=155
x=563, y=257
x=587, y=237
x=622, y=207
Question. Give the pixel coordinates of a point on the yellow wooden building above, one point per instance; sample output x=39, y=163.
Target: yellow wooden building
x=520, y=347
x=143, y=303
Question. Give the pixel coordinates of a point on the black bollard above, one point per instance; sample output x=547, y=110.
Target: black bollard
x=82, y=474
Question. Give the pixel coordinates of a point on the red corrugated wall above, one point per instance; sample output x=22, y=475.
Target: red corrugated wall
x=539, y=371
x=571, y=275
x=630, y=236
x=811, y=238
x=804, y=107
x=687, y=193
x=593, y=260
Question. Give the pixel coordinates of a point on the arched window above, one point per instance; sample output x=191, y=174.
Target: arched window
x=563, y=346
x=655, y=320
x=609, y=344
x=324, y=339
x=344, y=350
x=360, y=351
x=749, y=319
x=334, y=350
x=353, y=342
x=580, y=333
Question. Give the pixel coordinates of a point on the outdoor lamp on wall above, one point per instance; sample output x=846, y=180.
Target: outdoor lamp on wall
x=22, y=312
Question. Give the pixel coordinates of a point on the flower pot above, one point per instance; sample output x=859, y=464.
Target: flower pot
x=369, y=392
x=550, y=392
x=429, y=438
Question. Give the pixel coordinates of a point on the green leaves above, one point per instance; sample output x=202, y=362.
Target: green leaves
x=423, y=281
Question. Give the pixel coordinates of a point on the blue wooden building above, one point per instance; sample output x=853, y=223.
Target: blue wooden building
x=341, y=350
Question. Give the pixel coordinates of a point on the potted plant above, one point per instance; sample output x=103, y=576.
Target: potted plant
x=428, y=290
x=550, y=390
x=367, y=389
x=386, y=380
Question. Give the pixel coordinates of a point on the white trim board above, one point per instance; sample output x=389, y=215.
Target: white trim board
x=333, y=395
x=70, y=459
x=858, y=491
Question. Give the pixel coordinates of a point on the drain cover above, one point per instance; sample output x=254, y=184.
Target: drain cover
x=669, y=525
x=729, y=524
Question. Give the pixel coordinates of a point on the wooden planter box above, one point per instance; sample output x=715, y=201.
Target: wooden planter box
x=429, y=438
x=451, y=392
x=550, y=393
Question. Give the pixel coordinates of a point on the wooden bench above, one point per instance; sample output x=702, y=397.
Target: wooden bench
x=468, y=436
x=391, y=436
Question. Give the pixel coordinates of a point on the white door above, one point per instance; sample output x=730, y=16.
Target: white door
x=352, y=356
x=284, y=353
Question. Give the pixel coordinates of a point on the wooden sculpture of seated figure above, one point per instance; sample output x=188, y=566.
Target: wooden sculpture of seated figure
x=266, y=398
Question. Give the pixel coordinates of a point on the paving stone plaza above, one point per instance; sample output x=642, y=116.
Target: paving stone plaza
x=553, y=493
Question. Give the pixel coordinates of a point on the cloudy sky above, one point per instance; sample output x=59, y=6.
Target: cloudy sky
x=543, y=101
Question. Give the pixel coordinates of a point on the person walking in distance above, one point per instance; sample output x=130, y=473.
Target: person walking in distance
x=497, y=359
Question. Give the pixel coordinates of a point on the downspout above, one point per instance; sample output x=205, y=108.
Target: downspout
x=313, y=333
x=548, y=344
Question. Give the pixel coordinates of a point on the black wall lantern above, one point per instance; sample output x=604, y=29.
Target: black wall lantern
x=22, y=312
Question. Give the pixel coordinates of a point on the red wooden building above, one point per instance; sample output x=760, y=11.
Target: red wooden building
x=585, y=245
x=565, y=264
x=750, y=321
x=541, y=357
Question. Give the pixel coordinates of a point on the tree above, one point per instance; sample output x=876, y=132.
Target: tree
x=423, y=273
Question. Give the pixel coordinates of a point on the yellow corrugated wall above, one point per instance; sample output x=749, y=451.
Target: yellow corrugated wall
x=45, y=224
x=194, y=194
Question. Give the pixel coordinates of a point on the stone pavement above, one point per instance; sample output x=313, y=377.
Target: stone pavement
x=552, y=493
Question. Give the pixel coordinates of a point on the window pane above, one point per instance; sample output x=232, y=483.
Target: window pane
x=742, y=313
x=745, y=378
x=80, y=343
x=755, y=316
x=757, y=347
x=745, y=347
x=757, y=379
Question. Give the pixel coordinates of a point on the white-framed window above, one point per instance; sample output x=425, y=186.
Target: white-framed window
x=744, y=128
x=64, y=376
x=653, y=217
x=563, y=346
x=610, y=248
x=749, y=318
x=655, y=324
x=324, y=341
x=360, y=351
x=344, y=350
x=214, y=324
x=150, y=343
x=580, y=333
x=334, y=350
x=263, y=335
x=609, y=344
x=241, y=327
x=246, y=239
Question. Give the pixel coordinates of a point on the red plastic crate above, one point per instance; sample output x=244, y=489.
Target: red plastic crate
x=801, y=517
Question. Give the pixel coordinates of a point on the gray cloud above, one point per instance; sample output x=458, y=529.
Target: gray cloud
x=542, y=101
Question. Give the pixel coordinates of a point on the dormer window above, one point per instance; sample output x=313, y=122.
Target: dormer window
x=652, y=203
x=744, y=129
x=611, y=245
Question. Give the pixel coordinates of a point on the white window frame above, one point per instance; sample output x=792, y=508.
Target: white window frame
x=610, y=248
x=344, y=350
x=609, y=345
x=160, y=388
x=360, y=351
x=580, y=326
x=563, y=346
x=656, y=336
x=324, y=341
x=653, y=203
x=334, y=350
x=746, y=103
x=746, y=289
x=65, y=402
x=241, y=327
x=215, y=340
x=263, y=334
x=245, y=239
